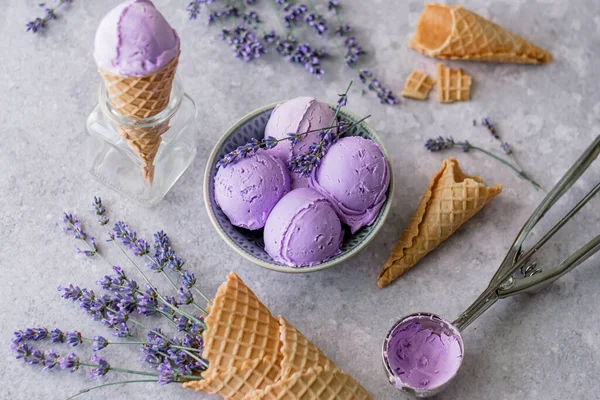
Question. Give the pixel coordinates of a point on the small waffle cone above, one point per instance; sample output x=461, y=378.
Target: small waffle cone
x=418, y=85
x=449, y=201
x=454, y=32
x=299, y=353
x=142, y=97
x=452, y=84
x=236, y=383
x=313, y=384
x=238, y=328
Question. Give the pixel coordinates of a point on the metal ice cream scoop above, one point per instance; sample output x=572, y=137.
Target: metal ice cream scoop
x=517, y=274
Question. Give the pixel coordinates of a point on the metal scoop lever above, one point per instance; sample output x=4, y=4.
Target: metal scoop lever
x=503, y=283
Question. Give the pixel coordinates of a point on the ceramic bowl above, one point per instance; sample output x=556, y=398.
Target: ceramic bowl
x=250, y=244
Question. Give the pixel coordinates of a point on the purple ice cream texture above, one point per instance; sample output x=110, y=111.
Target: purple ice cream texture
x=248, y=190
x=354, y=175
x=303, y=229
x=423, y=355
x=134, y=39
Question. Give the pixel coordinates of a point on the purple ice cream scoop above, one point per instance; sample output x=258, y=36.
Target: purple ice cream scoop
x=303, y=229
x=354, y=175
x=248, y=190
x=298, y=115
x=423, y=354
x=134, y=39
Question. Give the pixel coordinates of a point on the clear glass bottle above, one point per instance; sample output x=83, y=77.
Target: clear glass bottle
x=112, y=161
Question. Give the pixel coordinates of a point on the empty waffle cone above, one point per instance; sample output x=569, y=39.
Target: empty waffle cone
x=238, y=328
x=314, y=384
x=449, y=201
x=142, y=97
x=418, y=85
x=454, y=32
x=299, y=354
x=236, y=383
x=452, y=84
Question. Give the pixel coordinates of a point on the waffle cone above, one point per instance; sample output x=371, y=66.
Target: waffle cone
x=453, y=32
x=449, y=201
x=299, y=354
x=236, y=383
x=313, y=384
x=142, y=97
x=238, y=328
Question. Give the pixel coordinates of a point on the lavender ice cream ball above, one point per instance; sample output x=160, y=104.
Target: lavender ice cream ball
x=298, y=115
x=303, y=229
x=354, y=175
x=248, y=190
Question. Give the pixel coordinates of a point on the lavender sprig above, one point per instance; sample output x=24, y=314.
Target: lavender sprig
x=351, y=50
x=98, y=366
x=305, y=163
x=316, y=22
x=251, y=148
x=441, y=144
x=507, y=149
x=40, y=24
x=194, y=7
x=244, y=43
x=164, y=257
x=72, y=226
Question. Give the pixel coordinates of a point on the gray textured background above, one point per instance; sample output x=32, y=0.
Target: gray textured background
x=545, y=346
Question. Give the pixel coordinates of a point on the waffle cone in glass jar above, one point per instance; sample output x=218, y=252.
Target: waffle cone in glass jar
x=141, y=97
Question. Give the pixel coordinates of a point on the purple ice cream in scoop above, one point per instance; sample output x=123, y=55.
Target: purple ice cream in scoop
x=248, y=190
x=303, y=229
x=354, y=175
x=423, y=354
x=298, y=115
x=134, y=39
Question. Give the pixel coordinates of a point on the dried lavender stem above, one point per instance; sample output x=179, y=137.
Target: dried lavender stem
x=503, y=161
x=86, y=390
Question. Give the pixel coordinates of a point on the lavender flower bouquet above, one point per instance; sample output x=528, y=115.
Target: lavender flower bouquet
x=219, y=346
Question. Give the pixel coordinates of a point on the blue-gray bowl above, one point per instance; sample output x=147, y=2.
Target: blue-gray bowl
x=250, y=244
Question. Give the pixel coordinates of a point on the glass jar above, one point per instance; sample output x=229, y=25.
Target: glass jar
x=112, y=156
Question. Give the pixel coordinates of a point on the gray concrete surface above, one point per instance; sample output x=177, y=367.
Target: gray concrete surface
x=545, y=346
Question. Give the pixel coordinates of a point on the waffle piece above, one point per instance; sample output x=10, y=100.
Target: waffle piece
x=450, y=200
x=238, y=328
x=418, y=85
x=142, y=97
x=453, y=32
x=299, y=353
x=314, y=384
x=452, y=84
x=236, y=383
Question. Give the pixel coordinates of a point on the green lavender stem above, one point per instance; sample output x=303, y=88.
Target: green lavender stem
x=141, y=342
x=521, y=173
x=86, y=390
x=275, y=10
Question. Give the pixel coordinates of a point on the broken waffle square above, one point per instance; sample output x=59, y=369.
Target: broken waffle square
x=418, y=85
x=452, y=84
